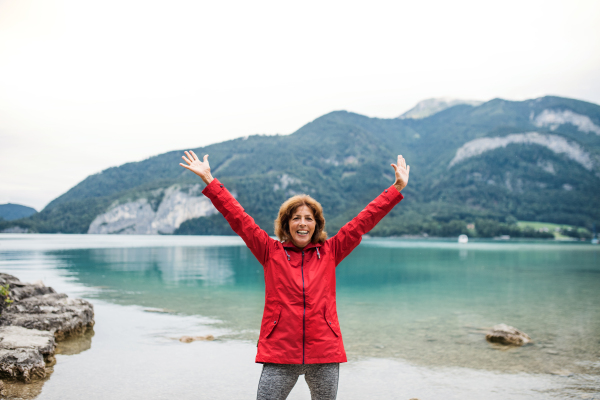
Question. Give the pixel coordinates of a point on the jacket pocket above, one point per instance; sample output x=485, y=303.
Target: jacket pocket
x=332, y=323
x=273, y=321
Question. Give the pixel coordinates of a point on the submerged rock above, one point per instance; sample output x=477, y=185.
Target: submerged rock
x=31, y=324
x=75, y=344
x=159, y=310
x=507, y=335
x=190, y=339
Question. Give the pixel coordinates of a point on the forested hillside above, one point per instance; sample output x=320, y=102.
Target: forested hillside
x=490, y=165
x=10, y=211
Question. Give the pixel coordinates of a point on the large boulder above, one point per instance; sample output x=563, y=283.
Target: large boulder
x=507, y=335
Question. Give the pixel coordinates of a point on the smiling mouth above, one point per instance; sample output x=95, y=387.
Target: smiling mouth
x=302, y=233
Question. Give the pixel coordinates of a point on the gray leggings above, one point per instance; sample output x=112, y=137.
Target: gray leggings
x=277, y=380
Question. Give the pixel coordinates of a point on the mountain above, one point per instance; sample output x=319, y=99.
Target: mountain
x=489, y=164
x=429, y=107
x=11, y=211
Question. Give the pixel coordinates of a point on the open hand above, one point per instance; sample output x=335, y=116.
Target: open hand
x=402, y=171
x=200, y=168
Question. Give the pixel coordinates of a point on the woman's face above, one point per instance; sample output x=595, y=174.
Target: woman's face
x=302, y=226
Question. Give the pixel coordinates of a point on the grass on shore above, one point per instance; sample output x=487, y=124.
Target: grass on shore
x=553, y=228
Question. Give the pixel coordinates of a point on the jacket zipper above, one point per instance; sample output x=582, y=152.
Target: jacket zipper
x=304, y=314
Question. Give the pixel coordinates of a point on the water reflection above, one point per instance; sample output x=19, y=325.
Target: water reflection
x=172, y=265
x=75, y=344
x=209, y=265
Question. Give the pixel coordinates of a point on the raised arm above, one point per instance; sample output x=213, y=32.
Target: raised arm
x=350, y=235
x=257, y=240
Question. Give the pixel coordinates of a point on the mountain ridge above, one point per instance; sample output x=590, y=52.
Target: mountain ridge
x=426, y=108
x=342, y=159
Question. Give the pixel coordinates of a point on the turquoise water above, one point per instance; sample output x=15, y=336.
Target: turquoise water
x=412, y=312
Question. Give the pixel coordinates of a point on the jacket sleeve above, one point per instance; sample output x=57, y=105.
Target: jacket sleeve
x=350, y=235
x=258, y=241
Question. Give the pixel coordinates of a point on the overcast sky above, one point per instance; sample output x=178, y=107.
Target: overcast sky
x=86, y=85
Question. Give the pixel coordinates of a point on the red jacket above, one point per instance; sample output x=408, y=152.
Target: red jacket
x=300, y=323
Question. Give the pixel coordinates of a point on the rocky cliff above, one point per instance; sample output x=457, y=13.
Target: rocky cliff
x=176, y=204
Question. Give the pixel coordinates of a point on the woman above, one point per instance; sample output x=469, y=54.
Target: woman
x=300, y=333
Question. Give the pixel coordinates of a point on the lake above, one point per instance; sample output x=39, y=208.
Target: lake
x=413, y=315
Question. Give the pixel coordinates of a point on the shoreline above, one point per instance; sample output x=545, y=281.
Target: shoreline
x=67, y=241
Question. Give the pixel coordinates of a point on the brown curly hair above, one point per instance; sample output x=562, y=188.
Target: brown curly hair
x=287, y=209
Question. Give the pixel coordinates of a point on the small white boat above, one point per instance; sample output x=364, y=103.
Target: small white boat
x=463, y=239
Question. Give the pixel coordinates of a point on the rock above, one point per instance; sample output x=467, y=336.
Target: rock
x=189, y=339
x=23, y=364
x=158, y=310
x=15, y=337
x=20, y=291
x=51, y=312
x=31, y=325
x=40, y=307
x=507, y=335
x=24, y=353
